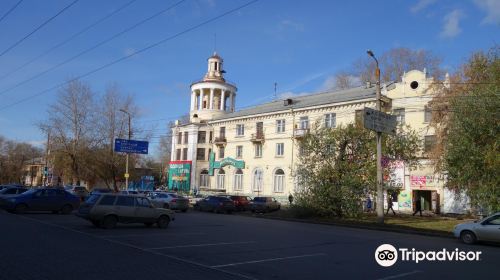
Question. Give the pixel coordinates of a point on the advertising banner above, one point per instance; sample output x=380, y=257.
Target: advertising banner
x=179, y=175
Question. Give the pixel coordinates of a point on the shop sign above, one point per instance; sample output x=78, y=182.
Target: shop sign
x=421, y=181
x=396, y=178
x=179, y=175
x=212, y=164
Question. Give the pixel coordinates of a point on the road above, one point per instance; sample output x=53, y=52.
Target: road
x=216, y=246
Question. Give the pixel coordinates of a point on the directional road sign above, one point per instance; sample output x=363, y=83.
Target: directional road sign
x=379, y=121
x=131, y=146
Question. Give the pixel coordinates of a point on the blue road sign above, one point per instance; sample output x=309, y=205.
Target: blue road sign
x=131, y=146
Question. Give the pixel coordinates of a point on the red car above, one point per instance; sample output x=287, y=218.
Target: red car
x=241, y=203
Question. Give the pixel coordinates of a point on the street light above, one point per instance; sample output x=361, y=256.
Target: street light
x=380, y=191
x=129, y=136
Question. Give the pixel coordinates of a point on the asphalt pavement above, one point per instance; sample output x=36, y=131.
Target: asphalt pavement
x=217, y=246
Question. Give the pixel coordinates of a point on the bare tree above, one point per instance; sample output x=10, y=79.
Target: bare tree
x=345, y=80
x=14, y=156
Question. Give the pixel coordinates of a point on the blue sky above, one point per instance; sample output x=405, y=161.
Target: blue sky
x=298, y=44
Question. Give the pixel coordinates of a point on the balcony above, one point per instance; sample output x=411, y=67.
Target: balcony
x=257, y=137
x=220, y=140
x=300, y=132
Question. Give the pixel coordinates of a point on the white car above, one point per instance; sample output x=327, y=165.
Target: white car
x=487, y=229
x=169, y=201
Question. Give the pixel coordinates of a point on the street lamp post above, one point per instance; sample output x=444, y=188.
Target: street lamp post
x=380, y=191
x=129, y=136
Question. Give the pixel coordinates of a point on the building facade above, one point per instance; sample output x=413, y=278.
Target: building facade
x=255, y=151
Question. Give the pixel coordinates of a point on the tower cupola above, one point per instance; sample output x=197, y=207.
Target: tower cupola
x=215, y=71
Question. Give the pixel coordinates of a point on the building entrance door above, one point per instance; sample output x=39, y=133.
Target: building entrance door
x=425, y=199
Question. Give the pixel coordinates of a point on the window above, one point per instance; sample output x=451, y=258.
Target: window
x=125, y=201
x=429, y=142
x=142, y=202
x=184, y=154
x=427, y=114
x=107, y=200
x=400, y=115
x=238, y=180
x=259, y=129
x=239, y=151
x=280, y=149
x=210, y=136
x=179, y=138
x=240, y=130
x=178, y=154
x=297, y=184
x=186, y=136
x=222, y=132
x=221, y=152
x=280, y=126
x=200, y=154
x=202, y=137
x=258, y=150
x=204, y=182
x=221, y=177
x=279, y=180
x=304, y=122
x=257, y=180
x=330, y=120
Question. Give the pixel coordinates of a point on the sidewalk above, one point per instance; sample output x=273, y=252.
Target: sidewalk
x=429, y=224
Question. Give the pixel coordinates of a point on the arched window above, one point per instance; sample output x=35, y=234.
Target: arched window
x=238, y=180
x=221, y=179
x=204, y=182
x=279, y=180
x=257, y=180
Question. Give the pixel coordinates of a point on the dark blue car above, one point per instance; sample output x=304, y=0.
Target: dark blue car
x=44, y=199
x=215, y=204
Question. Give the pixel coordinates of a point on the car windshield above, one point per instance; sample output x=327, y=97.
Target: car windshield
x=30, y=191
x=92, y=199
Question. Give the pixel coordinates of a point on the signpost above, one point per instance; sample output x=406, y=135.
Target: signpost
x=131, y=146
x=379, y=121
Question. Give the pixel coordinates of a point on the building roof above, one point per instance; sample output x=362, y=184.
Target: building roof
x=304, y=101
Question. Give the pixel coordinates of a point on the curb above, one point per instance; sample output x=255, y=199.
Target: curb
x=389, y=228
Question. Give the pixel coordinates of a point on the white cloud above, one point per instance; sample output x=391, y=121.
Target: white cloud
x=330, y=82
x=421, y=4
x=451, y=26
x=289, y=24
x=37, y=143
x=129, y=51
x=492, y=9
x=290, y=94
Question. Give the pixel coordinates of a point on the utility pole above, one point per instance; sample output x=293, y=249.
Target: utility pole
x=380, y=191
x=129, y=136
x=46, y=169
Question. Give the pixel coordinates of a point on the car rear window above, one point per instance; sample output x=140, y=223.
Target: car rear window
x=260, y=199
x=125, y=201
x=92, y=199
x=79, y=189
x=107, y=200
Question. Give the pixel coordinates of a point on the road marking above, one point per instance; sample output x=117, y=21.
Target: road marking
x=268, y=260
x=401, y=275
x=141, y=249
x=202, y=245
x=152, y=234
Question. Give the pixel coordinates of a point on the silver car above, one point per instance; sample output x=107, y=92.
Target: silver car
x=487, y=229
x=169, y=201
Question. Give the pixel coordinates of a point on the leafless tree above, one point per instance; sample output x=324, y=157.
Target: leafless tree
x=14, y=156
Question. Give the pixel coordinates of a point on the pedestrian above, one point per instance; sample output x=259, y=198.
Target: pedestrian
x=389, y=204
x=418, y=207
x=290, y=199
x=368, y=204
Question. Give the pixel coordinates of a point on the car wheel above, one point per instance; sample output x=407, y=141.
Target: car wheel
x=148, y=224
x=166, y=206
x=196, y=207
x=21, y=208
x=66, y=209
x=163, y=221
x=229, y=212
x=184, y=210
x=96, y=223
x=109, y=222
x=468, y=237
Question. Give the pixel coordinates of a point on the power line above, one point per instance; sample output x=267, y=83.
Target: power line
x=38, y=28
x=92, y=48
x=11, y=10
x=68, y=40
x=194, y=27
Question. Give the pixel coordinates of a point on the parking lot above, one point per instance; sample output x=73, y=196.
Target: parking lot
x=215, y=246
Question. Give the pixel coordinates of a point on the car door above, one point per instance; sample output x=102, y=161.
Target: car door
x=144, y=211
x=489, y=229
x=125, y=208
x=39, y=201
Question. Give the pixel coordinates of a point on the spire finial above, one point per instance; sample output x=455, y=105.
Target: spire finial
x=215, y=43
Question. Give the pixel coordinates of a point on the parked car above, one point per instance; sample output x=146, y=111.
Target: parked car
x=215, y=204
x=100, y=190
x=195, y=198
x=130, y=192
x=487, y=229
x=169, y=201
x=241, y=203
x=43, y=199
x=264, y=204
x=108, y=209
x=11, y=191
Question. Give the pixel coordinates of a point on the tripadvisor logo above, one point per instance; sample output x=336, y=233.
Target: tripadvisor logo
x=387, y=255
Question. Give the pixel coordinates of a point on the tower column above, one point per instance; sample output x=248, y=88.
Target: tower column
x=232, y=102
x=222, y=97
x=193, y=95
x=211, y=106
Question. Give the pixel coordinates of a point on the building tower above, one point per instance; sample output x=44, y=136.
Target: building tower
x=212, y=96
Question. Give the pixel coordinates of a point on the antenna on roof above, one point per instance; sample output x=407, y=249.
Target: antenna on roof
x=215, y=42
x=275, y=85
